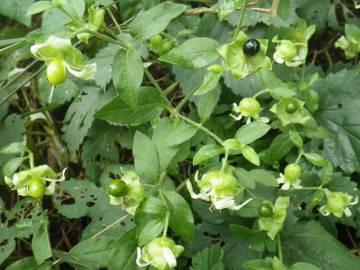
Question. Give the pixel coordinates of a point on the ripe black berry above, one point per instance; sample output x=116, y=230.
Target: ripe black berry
x=251, y=47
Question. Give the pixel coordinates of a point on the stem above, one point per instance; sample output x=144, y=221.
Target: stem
x=261, y=92
x=166, y=224
x=120, y=42
x=200, y=126
x=31, y=159
x=109, y=227
x=170, y=88
x=173, y=111
x=305, y=188
x=181, y=186
x=113, y=19
x=186, y=98
x=275, y=6
x=241, y=19
x=21, y=85
x=224, y=161
x=17, y=76
x=328, y=57
x=280, y=249
x=299, y=157
x=151, y=78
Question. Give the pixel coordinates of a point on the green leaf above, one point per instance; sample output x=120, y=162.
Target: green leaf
x=11, y=130
x=316, y=159
x=12, y=165
x=173, y=132
x=168, y=136
x=6, y=249
x=79, y=116
x=104, y=59
x=233, y=145
x=16, y=10
x=210, y=258
x=284, y=10
x=155, y=20
x=193, y=53
x=250, y=154
x=127, y=74
x=149, y=106
x=264, y=177
x=339, y=94
x=251, y=132
x=296, y=139
x=206, y=103
x=74, y=8
x=39, y=7
x=279, y=148
x=258, y=265
x=84, y=198
x=40, y=244
x=95, y=251
x=124, y=255
x=13, y=148
x=146, y=158
x=303, y=266
x=211, y=80
x=150, y=219
x=28, y=263
x=181, y=217
x=309, y=242
x=245, y=178
x=206, y=152
x=280, y=92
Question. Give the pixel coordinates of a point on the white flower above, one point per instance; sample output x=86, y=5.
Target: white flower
x=286, y=183
x=55, y=47
x=291, y=177
x=161, y=253
x=219, y=188
x=338, y=203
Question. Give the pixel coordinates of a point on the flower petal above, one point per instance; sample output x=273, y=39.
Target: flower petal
x=85, y=72
x=324, y=211
x=169, y=256
x=224, y=203
x=202, y=196
x=139, y=261
x=347, y=212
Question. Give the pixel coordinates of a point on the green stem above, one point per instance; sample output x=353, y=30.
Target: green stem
x=224, y=161
x=151, y=78
x=109, y=226
x=21, y=85
x=301, y=153
x=201, y=127
x=328, y=57
x=113, y=19
x=186, y=98
x=305, y=188
x=181, y=186
x=166, y=224
x=261, y=92
x=170, y=88
x=280, y=249
x=173, y=111
x=241, y=19
x=17, y=76
x=31, y=159
x=118, y=41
